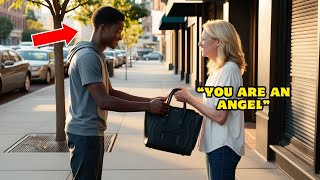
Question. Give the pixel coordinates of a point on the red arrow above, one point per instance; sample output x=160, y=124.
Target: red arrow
x=66, y=33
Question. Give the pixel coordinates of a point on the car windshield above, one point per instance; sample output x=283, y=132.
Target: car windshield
x=25, y=44
x=34, y=55
x=65, y=51
x=108, y=53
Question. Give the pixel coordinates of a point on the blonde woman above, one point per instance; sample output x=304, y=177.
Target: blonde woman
x=222, y=132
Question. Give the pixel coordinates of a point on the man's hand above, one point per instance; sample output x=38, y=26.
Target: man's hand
x=157, y=106
x=163, y=99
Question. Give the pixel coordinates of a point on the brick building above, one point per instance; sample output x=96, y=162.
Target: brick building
x=17, y=17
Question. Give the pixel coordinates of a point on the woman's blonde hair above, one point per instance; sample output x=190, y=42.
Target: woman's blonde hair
x=230, y=48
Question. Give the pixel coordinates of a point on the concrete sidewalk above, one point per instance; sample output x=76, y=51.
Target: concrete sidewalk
x=129, y=159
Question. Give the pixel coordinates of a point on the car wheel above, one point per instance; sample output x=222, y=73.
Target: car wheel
x=26, y=86
x=48, y=77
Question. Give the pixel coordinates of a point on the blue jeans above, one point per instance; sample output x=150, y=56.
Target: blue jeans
x=222, y=164
x=86, y=156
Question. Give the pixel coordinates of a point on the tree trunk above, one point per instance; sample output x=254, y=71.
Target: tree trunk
x=130, y=58
x=59, y=83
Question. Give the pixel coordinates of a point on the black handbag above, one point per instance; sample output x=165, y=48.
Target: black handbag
x=177, y=132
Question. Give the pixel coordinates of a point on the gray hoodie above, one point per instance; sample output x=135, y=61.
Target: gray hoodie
x=85, y=68
x=83, y=44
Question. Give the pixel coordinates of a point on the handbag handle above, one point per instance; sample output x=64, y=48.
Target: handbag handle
x=184, y=104
x=172, y=93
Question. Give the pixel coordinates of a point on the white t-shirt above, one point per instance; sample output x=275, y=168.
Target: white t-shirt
x=231, y=133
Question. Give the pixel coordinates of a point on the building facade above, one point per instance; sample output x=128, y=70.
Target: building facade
x=17, y=17
x=281, y=42
x=146, y=42
x=158, y=7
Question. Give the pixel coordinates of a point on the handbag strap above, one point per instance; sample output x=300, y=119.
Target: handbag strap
x=184, y=104
x=172, y=93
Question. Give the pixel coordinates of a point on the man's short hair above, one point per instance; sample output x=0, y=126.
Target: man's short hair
x=106, y=15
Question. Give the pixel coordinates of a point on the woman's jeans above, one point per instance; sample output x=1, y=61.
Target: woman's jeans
x=86, y=156
x=222, y=164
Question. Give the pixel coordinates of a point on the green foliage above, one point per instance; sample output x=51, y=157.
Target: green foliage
x=131, y=33
x=56, y=7
x=31, y=16
x=35, y=25
x=138, y=11
x=6, y=27
x=32, y=27
x=26, y=34
x=132, y=11
x=132, y=28
x=84, y=13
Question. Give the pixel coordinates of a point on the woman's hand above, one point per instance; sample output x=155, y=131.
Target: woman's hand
x=183, y=95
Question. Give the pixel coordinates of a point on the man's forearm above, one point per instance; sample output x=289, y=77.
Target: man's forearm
x=129, y=97
x=121, y=105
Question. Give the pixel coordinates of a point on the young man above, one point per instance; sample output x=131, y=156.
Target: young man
x=91, y=95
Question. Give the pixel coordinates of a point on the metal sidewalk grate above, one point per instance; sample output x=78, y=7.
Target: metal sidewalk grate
x=47, y=143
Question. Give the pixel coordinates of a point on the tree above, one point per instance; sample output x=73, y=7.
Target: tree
x=130, y=36
x=130, y=9
x=58, y=10
x=132, y=28
x=132, y=12
x=138, y=11
x=131, y=33
x=32, y=26
x=26, y=34
x=31, y=15
x=6, y=27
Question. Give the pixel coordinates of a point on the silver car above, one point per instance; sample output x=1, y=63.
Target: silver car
x=66, y=62
x=153, y=56
x=42, y=63
x=24, y=45
x=117, y=61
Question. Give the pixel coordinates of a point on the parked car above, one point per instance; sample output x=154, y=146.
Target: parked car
x=66, y=63
x=122, y=54
x=110, y=63
x=14, y=72
x=42, y=63
x=143, y=52
x=153, y=56
x=24, y=45
x=117, y=61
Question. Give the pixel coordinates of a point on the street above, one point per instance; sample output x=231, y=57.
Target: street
x=35, y=85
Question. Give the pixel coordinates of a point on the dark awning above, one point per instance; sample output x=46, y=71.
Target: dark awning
x=170, y=23
x=183, y=7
